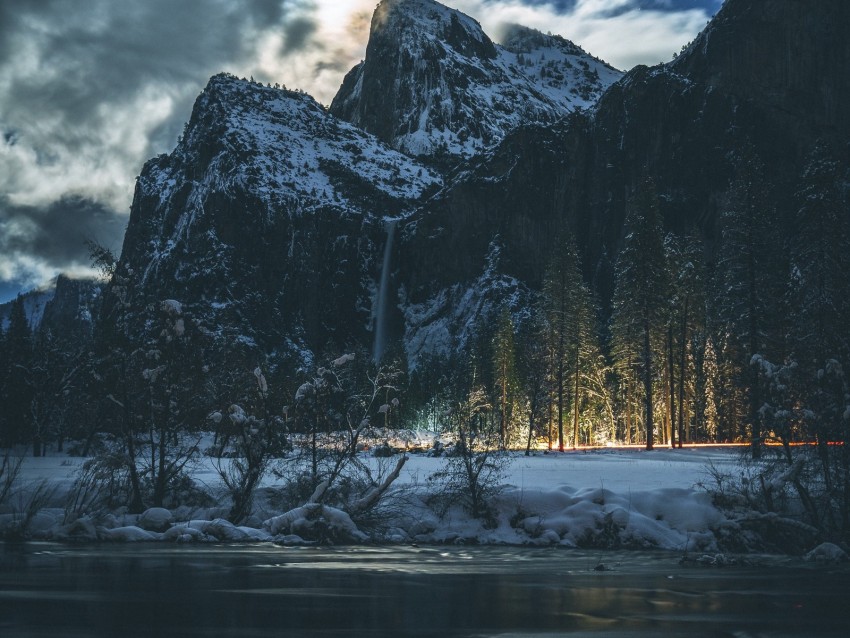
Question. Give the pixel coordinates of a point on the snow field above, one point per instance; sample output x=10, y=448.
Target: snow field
x=619, y=496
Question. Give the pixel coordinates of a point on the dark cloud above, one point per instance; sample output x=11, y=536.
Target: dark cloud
x=297, y=33
x=565, y=6
x=120, y=49
x=96, y=56
x=88, y=91
x=58, y=233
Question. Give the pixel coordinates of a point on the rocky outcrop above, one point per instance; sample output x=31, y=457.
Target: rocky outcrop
x=73, y=307
x=433, y=84
x=266, y=222
x=65, y=306
x=765, y=76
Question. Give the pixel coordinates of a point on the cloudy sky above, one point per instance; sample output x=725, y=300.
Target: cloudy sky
x=90, y=89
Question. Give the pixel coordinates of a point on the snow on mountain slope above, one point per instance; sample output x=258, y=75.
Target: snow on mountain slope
x=559, y=69
x=269, y=197
x=283, y=148
x=434, y=84
x=34, y=304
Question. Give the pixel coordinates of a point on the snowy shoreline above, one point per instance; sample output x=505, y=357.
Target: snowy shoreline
x=615, y=498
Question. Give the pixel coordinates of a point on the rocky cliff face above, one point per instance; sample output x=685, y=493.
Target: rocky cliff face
x=72, y=309
x=791, y=57
x=266, y=221
x=765, y=74
x=434, y=85
x=65, y=305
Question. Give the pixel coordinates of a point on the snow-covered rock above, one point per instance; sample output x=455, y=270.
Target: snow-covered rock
x=156, y=519
x=434, y=84
x=827, y=553
x=315, y=521
x=267, y=201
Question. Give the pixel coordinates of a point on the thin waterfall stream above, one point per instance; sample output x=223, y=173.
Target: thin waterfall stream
x=383, y=295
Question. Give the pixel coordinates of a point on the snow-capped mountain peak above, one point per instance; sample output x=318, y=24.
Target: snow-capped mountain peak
x=559, y=69
x=433, y=84
x=429, y=20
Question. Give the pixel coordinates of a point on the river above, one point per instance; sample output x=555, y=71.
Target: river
x=264, y=590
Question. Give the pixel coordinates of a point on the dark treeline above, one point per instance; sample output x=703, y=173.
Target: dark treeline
x=742, y=338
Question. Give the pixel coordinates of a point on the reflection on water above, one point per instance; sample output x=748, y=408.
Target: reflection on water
x=264, y=590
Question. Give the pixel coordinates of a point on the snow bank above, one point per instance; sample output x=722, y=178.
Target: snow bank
x=827, y=553
x=594, y=517
x=316, y=521
x=605, y=499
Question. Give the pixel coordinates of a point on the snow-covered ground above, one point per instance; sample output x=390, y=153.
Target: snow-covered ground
x=620, y=497
x=599, y=498
x=621, y=470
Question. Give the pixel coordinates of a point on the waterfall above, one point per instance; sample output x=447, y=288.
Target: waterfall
x=382, y=298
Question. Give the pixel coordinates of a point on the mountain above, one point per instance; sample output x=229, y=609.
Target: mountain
x=754, y=78
x=34, y=303
x=274, y=219
x=434, y=85
x=267, y=222
x=72, y=310
x=65, y=304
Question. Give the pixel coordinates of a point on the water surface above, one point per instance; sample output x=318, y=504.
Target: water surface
x=265, y=590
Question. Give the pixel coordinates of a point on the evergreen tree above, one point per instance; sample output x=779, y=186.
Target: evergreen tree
x=686, y=316
x=16, y=389
x=570, y=318
x=174, y=402
x=752, y=280
x=588, y=382
x=504, y=374
x=821, y=263
x=820, y=293
x=638, y=318
x=707, y=420
x=534, y=373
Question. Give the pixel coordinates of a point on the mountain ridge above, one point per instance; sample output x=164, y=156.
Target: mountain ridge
x=434, y=85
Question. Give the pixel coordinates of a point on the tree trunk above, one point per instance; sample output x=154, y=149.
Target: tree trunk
x=575, y=400
x=628, y=433
x=755, y=399
x=682, y=364
x=503, y=426
x=560, y=407
x=647, y=384
x=136, y=504
x=531, y=415
x=671, y=380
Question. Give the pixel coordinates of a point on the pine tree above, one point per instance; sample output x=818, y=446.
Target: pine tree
x=588, y=385
x=570, y=318
x=752, y=281
x=534, y=372
x=504, y=374
x=638, y=318
x=16, y=382
x=174, y=402
x=820, y=293
x=821, y=263
x=686, y=316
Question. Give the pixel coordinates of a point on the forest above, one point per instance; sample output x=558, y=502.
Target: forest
x=740, y=337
